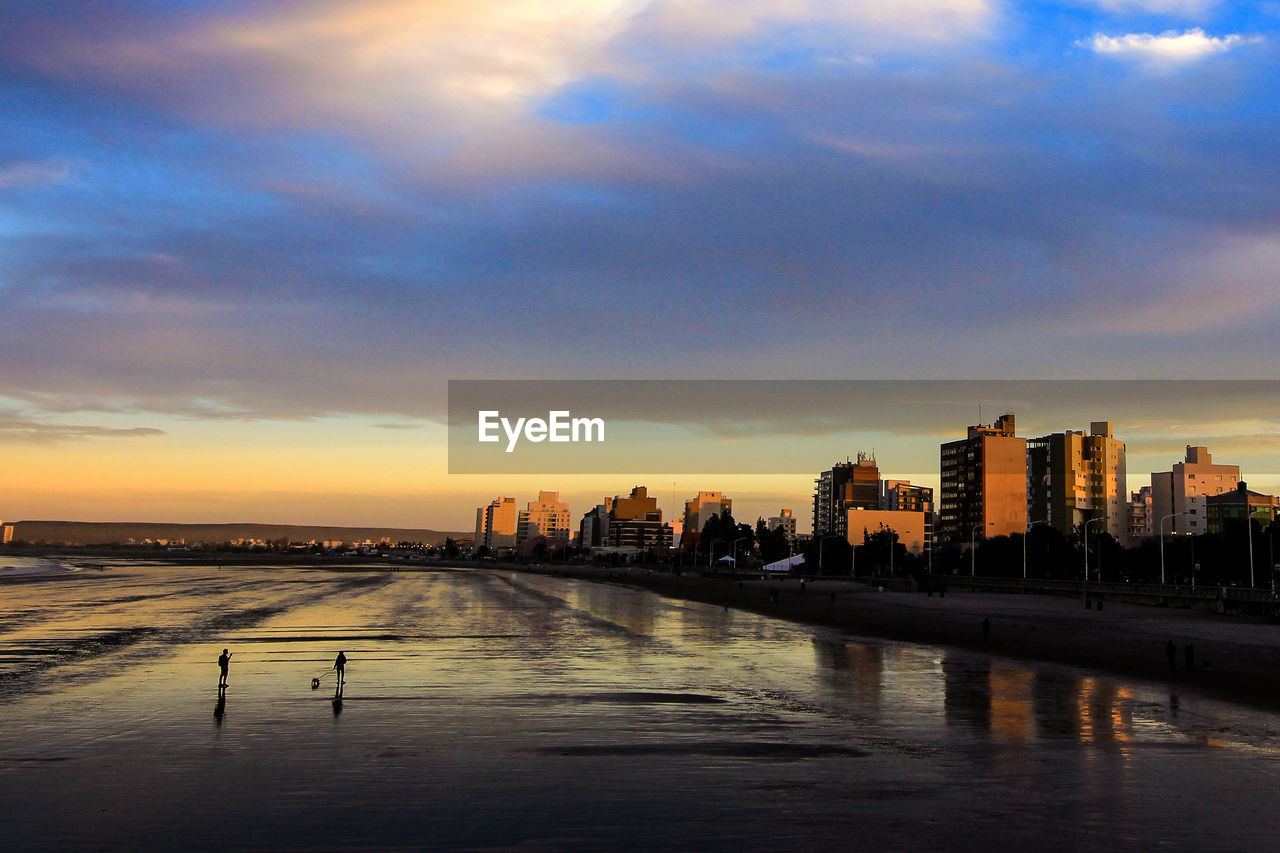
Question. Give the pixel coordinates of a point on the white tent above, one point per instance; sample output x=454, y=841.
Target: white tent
x=785, y=565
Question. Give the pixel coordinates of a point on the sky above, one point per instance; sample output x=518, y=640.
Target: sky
x=245, y=245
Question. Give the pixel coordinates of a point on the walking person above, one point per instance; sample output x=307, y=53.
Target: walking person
x=224, y=661
x=340, y=668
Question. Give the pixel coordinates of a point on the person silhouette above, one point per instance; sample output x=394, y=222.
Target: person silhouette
x=224, y=661
x=340, y=668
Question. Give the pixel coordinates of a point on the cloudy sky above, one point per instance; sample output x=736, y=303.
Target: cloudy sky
x=244, y=245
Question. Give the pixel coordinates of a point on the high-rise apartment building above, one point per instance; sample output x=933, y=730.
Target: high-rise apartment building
x=984, y=484
x=847, y=485
x=1181, y=493
x=1073, y=478
x=496, y=524
x=548, y=516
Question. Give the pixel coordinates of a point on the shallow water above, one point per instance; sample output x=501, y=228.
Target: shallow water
x=487, y=710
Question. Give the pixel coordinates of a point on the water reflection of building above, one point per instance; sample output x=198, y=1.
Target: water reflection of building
x=1016, y=703
x=857, y=665
x=1054, y=699
x=1012, y=702
x=967, y=684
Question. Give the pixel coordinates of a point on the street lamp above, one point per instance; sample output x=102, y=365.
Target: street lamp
x=1160, y=531
x=1024, y=544
x=893, y=540
x=1086, y=549
x=735, y=551
x=973, y=548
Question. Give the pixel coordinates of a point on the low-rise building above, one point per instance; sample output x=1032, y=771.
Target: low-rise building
x=1230, y=509
x=909, y=527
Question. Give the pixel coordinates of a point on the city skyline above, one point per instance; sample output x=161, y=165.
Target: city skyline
x=244, y=246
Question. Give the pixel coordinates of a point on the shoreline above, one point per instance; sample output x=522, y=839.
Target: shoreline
x=1234, y=658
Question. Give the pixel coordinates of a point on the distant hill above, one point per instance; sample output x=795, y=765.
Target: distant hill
x=120, y=532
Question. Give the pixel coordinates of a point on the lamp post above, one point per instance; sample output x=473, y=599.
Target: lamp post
x=893, y=540
x=1086, y=550
x=973, y=547
x=735, y=551
x=1160, y=530
x=1024, y=544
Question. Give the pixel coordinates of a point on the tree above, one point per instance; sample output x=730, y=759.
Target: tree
x=828, y=555
x=877, y=549
x=771, y=544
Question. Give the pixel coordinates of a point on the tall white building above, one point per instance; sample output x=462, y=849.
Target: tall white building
x=547, y=516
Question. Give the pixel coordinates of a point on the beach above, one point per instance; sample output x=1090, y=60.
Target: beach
x=490, y=709
x=1233, y=656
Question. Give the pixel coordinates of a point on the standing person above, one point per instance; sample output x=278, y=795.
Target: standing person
x=340, y=667
x=224, y=661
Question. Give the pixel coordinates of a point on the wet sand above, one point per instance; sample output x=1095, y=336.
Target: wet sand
x=487, y=709
x=1234, y=657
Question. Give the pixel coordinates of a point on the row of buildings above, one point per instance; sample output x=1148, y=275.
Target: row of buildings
x=631, y=523
x=850, y=500
x=992, y=482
